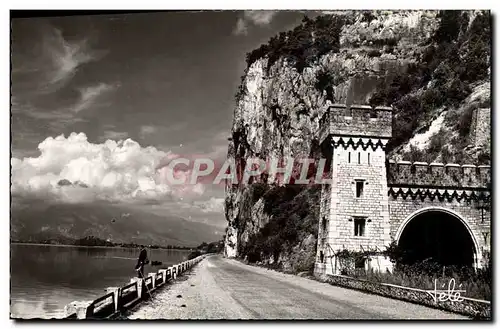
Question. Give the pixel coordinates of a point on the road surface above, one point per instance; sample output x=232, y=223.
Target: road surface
x=220, y=288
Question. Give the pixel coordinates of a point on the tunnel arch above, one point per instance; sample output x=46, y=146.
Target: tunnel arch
x=441, y=233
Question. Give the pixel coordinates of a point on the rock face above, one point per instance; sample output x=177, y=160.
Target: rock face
x=279, y=106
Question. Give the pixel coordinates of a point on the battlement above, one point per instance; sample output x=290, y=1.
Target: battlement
x=357, y=121
x=405, y=173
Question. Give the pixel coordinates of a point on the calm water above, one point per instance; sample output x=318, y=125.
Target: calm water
x=46, y=278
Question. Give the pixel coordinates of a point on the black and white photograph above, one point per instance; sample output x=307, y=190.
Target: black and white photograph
x=251, y=165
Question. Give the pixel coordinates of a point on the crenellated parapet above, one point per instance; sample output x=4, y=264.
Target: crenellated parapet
x=356, y=121
x=438, y=175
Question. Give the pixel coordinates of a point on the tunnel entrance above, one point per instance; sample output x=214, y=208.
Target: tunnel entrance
x=439, y=237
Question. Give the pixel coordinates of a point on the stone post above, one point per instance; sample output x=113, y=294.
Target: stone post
x=153, y=275
x=164, y=272
x=116, y=293
x=77, y=307
x=139, y=285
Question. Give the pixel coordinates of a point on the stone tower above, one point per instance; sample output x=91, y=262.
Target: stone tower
x=354, y=210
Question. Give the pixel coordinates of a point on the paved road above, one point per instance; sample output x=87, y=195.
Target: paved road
x=219, y=288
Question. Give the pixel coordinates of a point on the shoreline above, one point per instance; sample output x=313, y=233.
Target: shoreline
x=82, y=246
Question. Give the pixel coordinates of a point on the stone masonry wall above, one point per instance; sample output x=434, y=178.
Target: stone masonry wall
x=481, y=126
x=368, y=166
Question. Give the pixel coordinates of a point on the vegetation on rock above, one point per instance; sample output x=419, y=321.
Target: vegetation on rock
x=293, y=211
x=304, y=44
x=455, y=57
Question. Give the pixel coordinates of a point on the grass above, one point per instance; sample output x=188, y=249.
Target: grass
x=476, y=284
x=422, y=274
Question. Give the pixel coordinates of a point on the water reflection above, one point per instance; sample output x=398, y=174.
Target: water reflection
x=46, y=278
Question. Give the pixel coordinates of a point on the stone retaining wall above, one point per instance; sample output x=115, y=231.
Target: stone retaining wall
x=477, y=309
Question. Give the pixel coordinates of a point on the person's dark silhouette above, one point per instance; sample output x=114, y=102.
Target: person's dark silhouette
x=141, y=261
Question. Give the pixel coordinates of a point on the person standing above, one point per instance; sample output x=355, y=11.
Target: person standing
x=141, y=261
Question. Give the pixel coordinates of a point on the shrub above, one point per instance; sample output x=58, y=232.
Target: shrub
x=446, y=155
x=368, y=17
x=351, y=262
x=433, y=98
x=464, y=122
x=415, y=154
x=484, y=157
x=449, y=26
x=325, y=82
x=391, y=42
x=374, y=53
x=456, y=92
x=242, y=90
x=436, y=142
x=258, y=190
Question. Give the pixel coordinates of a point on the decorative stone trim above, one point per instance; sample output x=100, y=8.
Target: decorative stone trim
x=361, y=142
x=441, y=194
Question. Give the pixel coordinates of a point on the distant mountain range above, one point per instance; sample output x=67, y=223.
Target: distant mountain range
x=64, y=223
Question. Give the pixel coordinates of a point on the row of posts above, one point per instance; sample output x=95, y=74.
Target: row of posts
x=79, y=309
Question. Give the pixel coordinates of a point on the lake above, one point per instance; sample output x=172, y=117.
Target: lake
x=45, y=278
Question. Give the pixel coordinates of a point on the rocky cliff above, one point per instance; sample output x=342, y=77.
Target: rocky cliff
x=432, y=67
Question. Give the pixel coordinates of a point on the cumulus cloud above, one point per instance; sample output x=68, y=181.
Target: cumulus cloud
x=253, y=17
x=74, y=170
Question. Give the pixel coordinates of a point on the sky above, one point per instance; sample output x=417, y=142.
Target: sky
x=98, y=101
